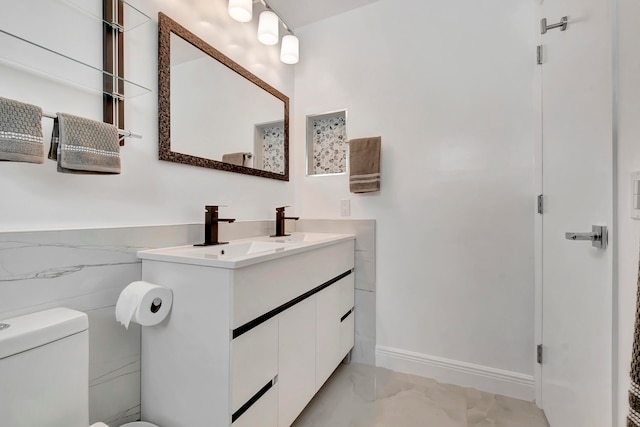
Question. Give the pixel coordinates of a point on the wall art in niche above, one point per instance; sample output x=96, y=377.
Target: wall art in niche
x=327, y=143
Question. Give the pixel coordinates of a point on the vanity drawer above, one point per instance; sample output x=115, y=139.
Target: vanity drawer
x=263, y=413
x=263, y=287
x=347, y=334
x=347, y=314
x=254, y=362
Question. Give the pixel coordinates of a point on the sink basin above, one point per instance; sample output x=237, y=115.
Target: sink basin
x=240, y=253
x=234, y=250
x=304, y=237
x=246, y=248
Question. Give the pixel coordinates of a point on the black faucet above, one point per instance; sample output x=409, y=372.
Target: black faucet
x=211, y=221
x=280, y=221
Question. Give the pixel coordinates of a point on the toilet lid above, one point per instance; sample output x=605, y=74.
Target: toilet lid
x=133, y=424
x=139, y=424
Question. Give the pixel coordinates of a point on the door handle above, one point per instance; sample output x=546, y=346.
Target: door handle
x=599, y=236
x=562, y=25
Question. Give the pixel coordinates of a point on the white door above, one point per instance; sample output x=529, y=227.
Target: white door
x=577, y=181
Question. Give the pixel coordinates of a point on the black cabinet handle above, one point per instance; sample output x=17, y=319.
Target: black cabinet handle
x=244, y=408
x=346, y=315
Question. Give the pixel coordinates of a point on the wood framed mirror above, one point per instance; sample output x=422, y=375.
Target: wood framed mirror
x=214, y=113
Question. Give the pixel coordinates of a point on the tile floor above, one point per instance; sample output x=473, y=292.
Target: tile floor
x=364, y=396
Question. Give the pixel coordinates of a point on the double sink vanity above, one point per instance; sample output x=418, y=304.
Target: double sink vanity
x=256, y=328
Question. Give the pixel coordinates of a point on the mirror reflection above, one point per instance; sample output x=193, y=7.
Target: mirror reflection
x=218, y=114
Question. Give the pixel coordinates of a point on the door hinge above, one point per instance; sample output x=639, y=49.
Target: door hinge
x=539, y=55
x=540, y=204
x=539, y=353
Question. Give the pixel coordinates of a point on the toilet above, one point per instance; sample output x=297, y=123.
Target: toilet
x=44, y=366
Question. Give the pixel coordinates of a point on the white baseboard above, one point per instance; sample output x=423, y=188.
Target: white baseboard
x=492, y=380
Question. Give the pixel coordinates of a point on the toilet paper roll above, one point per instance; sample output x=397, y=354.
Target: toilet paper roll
x=143, y=303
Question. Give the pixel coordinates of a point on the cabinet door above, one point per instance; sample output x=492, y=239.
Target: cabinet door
x=296, y=360
x=334, y=328
x=327, y=332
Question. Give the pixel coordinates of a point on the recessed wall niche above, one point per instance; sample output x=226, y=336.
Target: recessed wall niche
x=327, y=143
x=269, y=147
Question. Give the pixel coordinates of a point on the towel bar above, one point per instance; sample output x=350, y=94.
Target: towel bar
x=122, y=133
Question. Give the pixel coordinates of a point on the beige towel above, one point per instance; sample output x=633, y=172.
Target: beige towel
x=84, y=146
x=20, y=132
x=239, y=159
x=364, y=164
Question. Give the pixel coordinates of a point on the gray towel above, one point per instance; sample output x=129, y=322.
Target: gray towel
x=20, y=132
x=84, y=146
x=364, y=164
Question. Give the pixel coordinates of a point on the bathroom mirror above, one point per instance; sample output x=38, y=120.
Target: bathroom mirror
x=216, y=114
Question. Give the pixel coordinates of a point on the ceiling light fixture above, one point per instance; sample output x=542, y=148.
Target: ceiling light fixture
x=268, y=28
x=241, y=10
x=290, y=50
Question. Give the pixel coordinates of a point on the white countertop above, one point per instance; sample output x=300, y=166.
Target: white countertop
x=244, y=252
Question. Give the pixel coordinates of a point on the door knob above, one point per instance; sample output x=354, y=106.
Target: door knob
x=598, y=236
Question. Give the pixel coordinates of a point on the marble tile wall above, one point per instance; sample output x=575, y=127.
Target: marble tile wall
x=87, y=269
x=365, y=231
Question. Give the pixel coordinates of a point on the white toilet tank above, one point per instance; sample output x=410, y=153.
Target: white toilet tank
x=44, y=369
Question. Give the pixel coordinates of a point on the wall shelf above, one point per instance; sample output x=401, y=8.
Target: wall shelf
x=133, y=17
x=23, y=54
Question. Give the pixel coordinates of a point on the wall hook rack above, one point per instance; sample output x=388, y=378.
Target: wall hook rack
x=562, y=25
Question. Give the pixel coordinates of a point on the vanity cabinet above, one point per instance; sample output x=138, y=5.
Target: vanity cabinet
x=248, y=346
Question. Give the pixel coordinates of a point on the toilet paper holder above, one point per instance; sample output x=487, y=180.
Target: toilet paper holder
x=155, y=305
x=143, y=303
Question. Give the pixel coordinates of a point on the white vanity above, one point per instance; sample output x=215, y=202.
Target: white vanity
x=256, y=328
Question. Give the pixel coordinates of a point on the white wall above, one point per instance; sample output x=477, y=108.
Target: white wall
x=448, y=86
x=148, y=191
x=628, y=161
